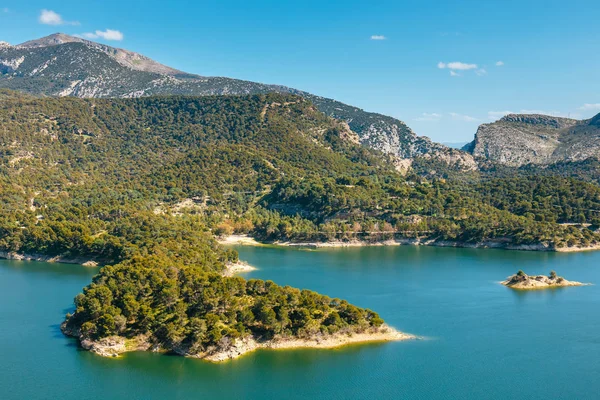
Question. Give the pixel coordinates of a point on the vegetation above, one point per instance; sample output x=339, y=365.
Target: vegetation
x=190, y=311
x=141, y=186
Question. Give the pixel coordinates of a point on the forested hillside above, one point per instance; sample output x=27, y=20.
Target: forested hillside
x=143, y=185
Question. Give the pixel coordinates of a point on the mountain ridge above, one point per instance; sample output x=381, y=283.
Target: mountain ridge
x=63, y=65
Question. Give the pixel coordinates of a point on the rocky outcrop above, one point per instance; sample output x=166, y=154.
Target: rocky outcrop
x=520, y=139
x=523, y=281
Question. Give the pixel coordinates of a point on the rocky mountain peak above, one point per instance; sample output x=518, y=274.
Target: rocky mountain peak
x=51, y=40
x=4, y=44
x=124, y=57
x=63, y=65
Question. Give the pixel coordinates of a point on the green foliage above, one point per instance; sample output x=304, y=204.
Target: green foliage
x=185, y=308
x=141, y=185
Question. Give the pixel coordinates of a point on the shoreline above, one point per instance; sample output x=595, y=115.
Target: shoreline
x=11, y=255
x=115, y=346
x=246, y=240
x=249, y=345
x=231, y=269
x=239, y=267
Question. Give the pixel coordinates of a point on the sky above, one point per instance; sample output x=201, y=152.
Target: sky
x=442, y=67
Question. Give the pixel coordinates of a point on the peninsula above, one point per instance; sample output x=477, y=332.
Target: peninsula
x=522, y=281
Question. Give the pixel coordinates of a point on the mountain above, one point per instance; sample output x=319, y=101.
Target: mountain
x=63, y=65
x=270, y=165
x=521, y=139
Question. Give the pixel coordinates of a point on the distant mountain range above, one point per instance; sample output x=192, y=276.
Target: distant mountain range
x=521, y=139
x=63, y=65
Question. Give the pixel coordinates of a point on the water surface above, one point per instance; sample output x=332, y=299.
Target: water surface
x=482, y=340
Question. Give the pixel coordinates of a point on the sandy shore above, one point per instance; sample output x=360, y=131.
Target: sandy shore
x=239, y=239
x=576, y=249
x=489, y=244
x=239, y=267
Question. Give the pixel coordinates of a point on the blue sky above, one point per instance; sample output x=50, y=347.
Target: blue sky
x=431, y=64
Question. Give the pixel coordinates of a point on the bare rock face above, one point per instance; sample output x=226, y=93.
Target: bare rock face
x=518, y=140
x=457, y=159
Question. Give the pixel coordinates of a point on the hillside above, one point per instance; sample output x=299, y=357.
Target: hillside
x=271, y=165
x=518, y=140
x=62, y=65
x=143, y=185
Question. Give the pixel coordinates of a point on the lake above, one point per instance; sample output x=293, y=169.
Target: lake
x=480, y=339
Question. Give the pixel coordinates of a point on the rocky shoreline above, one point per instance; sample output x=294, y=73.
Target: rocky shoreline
x=114, y=346
x=231, y=269
x=246, y=240
x=9, y=255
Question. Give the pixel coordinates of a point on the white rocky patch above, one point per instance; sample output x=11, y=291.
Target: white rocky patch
x=14, y=63
x=42, y=67
x=69, y=90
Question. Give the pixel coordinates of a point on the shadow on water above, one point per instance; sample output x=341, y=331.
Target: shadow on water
x=168, y=366
x=545, y=293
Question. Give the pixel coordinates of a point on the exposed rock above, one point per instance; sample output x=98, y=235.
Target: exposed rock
x=518, y=140
x=523, y=281
x=9, y=255
x=239, y=267
x=114, y=346
x=457, y=159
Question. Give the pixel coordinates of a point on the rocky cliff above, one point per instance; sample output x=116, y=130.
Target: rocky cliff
x=520, y=139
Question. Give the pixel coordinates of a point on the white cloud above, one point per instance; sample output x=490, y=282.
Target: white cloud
x=481, y=72
x=499, y=63
x=109, y=34
x=453, y=73
x=429, y=117
x=588, y=107
x=378, y=37
x=49, y=17
x=461, y=117
x=457, y=65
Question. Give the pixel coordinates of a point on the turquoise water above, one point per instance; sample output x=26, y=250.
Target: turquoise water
x=483, y=341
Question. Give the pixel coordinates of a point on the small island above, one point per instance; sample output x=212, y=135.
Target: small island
x=522, y=281
x=185, y=310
